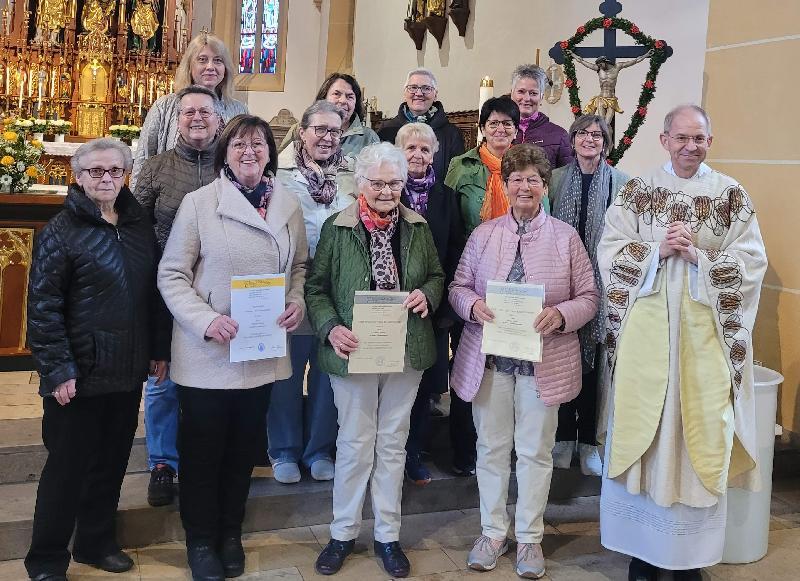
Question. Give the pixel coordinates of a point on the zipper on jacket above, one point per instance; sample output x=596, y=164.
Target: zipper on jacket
x=119, y=237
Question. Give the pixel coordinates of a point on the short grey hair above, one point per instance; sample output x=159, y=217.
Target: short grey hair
x=200, y=90
x=377, y=154
x=422, y=71
x=418, y=130
x=686, y=107
x=320, y=106
x=96, y=145
x=530, y=72
x=583, y=122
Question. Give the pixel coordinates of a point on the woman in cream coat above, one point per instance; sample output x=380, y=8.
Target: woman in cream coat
x=243, y=223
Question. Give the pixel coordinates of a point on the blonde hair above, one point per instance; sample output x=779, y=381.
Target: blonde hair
x=183, y=75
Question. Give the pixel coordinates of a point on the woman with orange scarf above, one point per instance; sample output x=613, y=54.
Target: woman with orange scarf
x=475, y=175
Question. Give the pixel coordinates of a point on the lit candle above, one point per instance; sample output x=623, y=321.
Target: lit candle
x=40, y=90
x=485, y=93
x=21, y=89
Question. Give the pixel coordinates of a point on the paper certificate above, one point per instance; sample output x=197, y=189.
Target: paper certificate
x=515, y=307
x=379, y=322
x=256, y=303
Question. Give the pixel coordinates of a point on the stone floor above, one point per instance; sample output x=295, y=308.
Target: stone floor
x=436, y=543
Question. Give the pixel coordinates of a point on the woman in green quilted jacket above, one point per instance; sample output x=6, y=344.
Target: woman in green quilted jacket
x=374, y=244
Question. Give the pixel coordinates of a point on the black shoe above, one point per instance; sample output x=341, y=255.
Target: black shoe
x=161, y=490
x=332, y=557
x=464, y=471
x=204, y=563
x=49, y=577
x=231, y=553
x=638, y=570
x=688, y=575
x=394, y=559
x=416, y=471
x=117, y=562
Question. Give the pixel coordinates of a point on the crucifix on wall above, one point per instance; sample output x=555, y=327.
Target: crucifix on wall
x=606, y=64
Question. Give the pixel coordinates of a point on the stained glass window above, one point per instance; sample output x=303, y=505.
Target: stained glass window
x=259, y=36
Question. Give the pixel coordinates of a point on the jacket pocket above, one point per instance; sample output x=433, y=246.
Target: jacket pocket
x=111, y=354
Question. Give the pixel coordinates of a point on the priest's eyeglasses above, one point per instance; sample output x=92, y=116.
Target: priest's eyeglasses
x=583, y=134
x=322, y=131
x=424, y=89
x=205, y=113
x=99, y=172
x=380, y=185
x=699, y=140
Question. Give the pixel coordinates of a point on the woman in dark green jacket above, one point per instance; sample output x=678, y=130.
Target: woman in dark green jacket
x=374, y=244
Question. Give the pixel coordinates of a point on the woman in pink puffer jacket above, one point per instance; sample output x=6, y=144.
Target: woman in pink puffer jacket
x=515, y=402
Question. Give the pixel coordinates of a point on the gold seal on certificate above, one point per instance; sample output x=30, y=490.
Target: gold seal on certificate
x=256, y=303
x=515, y=307
x=379, y=322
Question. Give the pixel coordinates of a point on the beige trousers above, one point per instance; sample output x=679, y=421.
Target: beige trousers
x=374, y=414
x=509, y=415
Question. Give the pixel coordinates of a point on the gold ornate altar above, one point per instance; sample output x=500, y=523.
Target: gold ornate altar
x=94, y=62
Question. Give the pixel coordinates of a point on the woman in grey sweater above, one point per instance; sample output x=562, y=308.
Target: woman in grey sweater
x=206, y=62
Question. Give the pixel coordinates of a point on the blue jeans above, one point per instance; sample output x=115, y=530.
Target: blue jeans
x=161, y=423
x=302, y=431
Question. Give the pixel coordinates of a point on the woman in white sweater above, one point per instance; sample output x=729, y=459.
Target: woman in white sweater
x=243, y=223
x=206, y=62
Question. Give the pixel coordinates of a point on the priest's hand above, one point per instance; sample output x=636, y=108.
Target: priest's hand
x=548, y=321
x=343, y=341
x=481, y=313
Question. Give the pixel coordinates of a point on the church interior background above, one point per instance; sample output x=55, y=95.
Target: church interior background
x=99, y=63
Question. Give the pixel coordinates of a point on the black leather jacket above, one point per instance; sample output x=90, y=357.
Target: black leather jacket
x=93, y=305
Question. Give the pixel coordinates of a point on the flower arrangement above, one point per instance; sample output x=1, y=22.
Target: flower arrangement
x=38, y=125
x=59, y=126
x=125, y=131
x=23, y=126
x=661, y=52
x=19, y=160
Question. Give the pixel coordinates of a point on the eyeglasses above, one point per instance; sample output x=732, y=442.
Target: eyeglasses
x=322, y=131
x=380, y=185
x=205, y=113
x=699, y=140
x=493, y=125
x=99, y=172
x=424, y=89
x=241, y=146
x=595, y=135
x=532, y=182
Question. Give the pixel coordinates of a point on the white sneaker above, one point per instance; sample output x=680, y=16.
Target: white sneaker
x=591, y=463
x=484, y=553
x=562, y=454
x=530, y=561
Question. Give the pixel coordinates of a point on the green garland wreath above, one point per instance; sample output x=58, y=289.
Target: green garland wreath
x=658, y=58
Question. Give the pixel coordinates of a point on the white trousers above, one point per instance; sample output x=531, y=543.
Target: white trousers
x=374, y=414
x=509, y=415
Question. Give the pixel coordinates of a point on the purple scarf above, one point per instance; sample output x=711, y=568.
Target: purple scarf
x=417, y=190
x=258, y=196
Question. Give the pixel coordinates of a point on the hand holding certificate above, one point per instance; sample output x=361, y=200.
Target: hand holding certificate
x=512, y=332
x=257, y=303
x=379, y=323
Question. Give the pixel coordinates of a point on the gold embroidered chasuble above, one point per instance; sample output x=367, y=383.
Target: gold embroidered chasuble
x=679, y=341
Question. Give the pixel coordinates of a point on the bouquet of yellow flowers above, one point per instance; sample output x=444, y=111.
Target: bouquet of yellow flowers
x=19, y=161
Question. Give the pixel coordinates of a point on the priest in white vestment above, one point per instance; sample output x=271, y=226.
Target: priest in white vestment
x=682, y=262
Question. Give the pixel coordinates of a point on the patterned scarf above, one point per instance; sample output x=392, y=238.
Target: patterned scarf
x=417, y=190
x=495, y=201
x=321, y=178
x=524, y=122
x=414, y=118
x=258, y=196
x=381, y=229
x=568, y=209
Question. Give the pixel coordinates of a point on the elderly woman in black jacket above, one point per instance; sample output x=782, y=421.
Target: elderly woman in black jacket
x=92, y=295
